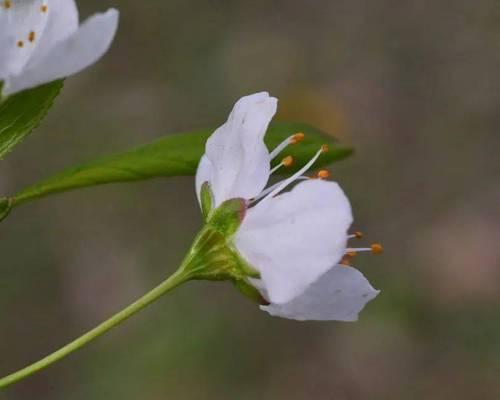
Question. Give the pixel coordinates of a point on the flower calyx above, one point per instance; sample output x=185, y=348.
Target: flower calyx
x=213, y=255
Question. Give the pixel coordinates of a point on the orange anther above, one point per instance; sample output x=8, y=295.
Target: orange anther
x=323, y=174
x=287, y=161
x=346, y=260
x=7, y=4
x=44, y=8
x=20, y=43
x=324, y=148
x=31, y=36
x=377, y=248
x=298, y=137
x=358, y=235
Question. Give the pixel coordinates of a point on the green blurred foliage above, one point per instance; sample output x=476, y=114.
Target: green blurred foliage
x=413, y=86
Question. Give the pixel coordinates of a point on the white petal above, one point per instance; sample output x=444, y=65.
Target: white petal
x=203, y=174
x=62, y=23
x=294, y=238
x=240, y=159
x=340, y=294
x=16, y=24
x=69, y=56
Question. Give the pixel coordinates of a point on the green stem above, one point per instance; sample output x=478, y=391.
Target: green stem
x=176, y=279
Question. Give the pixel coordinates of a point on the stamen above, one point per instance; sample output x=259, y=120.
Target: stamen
x=324, y=148
x=20, y=43
x=286, y=162
x=294, y=139
x=300, y=172
x=375, y=248
x=44, y=8
x=271, y=188
x=346, y=260
x=357, y=235
x=31, y=36
x=323, y=174
x=7, y=4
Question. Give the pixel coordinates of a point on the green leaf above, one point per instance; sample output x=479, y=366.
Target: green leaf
x=176, y=155
x=21, y=112
x=5, y=207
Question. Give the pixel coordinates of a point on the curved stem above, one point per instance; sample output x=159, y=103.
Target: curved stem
x=176, y=279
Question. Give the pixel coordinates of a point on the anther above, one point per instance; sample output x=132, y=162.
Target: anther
x=293, y=139
x=346, y=260
x=298, y=137
x=31, y=36
x=323, y=174
x=324, y=148
x=287, y=161
x=7, y=4
x=377, y=248
x=44, y=8
x=357, y=235
x=20, y=43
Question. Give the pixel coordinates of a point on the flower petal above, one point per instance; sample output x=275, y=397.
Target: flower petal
x=62, y=23
x=69, y=56
x=236, y=150
x=17, y=20
x=294, y=238
x=340, y=294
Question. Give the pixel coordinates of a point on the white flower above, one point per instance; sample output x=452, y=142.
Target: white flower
x=295, y=240
x=40, y=41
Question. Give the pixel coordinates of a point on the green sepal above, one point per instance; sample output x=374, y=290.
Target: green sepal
x=250, y=291
x=206, y=200
x=5, y=207
x=227, y=218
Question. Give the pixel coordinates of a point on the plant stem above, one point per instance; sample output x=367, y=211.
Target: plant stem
x=173, y=281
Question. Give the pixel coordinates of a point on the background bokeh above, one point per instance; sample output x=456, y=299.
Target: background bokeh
x=414, y=86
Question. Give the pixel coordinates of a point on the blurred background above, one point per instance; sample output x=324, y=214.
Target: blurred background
x=413, y=86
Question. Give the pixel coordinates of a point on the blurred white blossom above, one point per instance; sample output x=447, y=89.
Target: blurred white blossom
x=41, y=41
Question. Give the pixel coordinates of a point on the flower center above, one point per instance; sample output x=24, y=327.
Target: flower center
x=31, y=35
